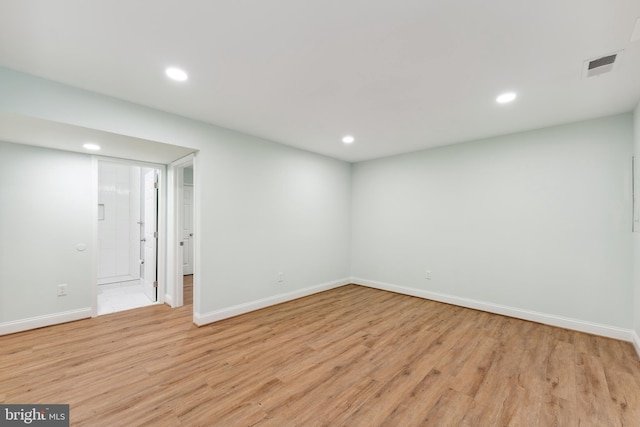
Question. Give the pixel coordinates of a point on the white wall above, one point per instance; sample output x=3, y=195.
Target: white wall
x=264, y=207
x=45, y=211
x=636, y=237
x=535, y=221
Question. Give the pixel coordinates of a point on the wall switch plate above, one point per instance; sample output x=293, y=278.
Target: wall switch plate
x=280, y=277
x=62, y=290
x=427, y=275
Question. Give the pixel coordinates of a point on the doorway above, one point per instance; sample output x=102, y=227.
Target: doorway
x=149, y=240
x=182, y=245
x=187, y=235
x=127, y=235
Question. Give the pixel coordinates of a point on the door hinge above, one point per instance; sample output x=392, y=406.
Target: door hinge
x=155, y=234
x=155, y=184
x=155, y=284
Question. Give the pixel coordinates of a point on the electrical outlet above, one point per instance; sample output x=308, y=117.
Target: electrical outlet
x=427, y=275
x=280, y=277
x=62, y=290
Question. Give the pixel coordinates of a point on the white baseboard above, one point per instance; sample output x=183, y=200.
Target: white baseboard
x=168, y=299
x=46, y=320
x=534, y=316
x=636, y=341
x=214, y=316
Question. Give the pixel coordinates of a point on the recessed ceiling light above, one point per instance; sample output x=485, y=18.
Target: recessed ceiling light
x=505, y=98
x=176, y=74
x=348, y=139
x=91, y=146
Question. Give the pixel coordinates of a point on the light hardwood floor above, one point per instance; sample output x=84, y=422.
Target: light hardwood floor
x=351, y=356
x=187, y=289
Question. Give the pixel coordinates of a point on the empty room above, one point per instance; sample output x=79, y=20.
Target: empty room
x=290, y=213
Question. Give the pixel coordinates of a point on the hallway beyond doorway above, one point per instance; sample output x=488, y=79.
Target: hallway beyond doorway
x=187, y=289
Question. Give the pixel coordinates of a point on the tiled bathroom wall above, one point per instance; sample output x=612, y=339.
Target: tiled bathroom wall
x=118, y=228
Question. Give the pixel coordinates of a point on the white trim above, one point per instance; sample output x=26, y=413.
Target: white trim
x=534, y=316
x=168, y=299
x=161, y=261
x=198, y=185
x=214, y=316
x=636, y=341
x=95, y=182
x=46, y=320
x=172, y=256
x=174, y=231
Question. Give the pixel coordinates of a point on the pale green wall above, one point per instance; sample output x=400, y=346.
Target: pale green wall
x=636, y=236
x=45, y=212
x=265, y=207
x=188, y=176
x=537, y=221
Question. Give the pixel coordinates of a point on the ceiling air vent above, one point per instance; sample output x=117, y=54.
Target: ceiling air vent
x=601, y=65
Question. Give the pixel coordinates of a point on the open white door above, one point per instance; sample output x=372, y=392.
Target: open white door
x=149, y=276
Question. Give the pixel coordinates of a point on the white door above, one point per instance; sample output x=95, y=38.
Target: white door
x=187, y=230
x=150, y=225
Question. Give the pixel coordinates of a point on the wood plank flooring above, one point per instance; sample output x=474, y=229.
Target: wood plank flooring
x=351, y=356
x=187, y=289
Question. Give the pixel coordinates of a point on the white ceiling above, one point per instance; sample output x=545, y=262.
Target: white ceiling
x=398, y=75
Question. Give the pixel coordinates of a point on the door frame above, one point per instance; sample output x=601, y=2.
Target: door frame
x=175, y=182
x=162, y=223
x=150, y=182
